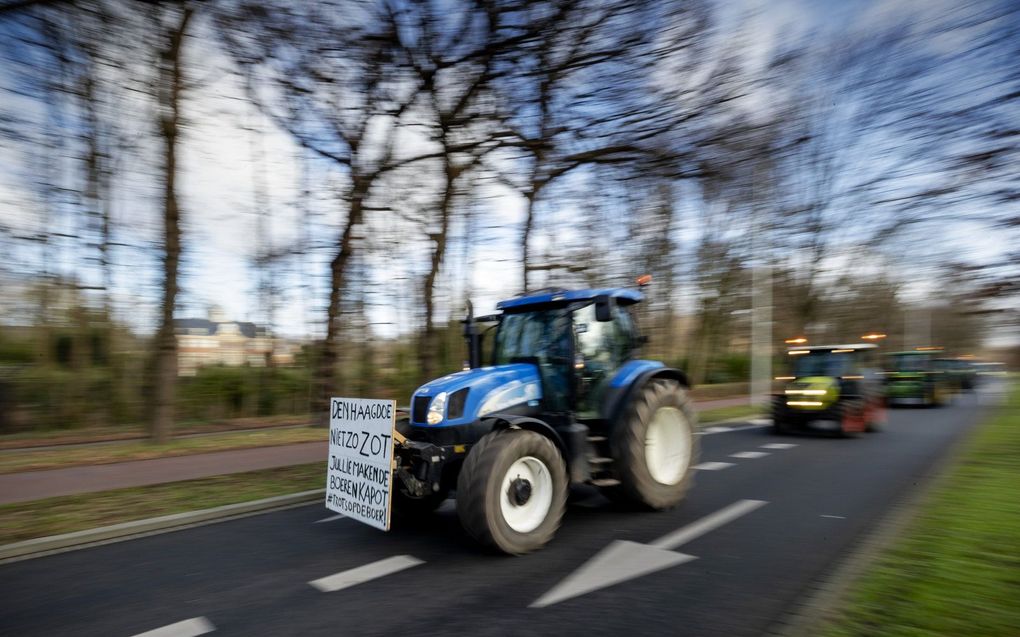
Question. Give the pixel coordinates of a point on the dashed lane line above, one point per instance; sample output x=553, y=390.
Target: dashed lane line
x=366, y=573
x=750, y=454
x=187, y=628
x=779, y=445
x=713, y=466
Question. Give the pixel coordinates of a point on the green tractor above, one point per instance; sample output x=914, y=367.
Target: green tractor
x=915, y=378
x=831, y=387
x=561, y=399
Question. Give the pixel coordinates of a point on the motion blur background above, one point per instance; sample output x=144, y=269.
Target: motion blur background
x=227, y=209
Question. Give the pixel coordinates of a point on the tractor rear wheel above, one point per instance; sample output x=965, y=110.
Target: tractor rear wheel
x=512, y=491
x=654, y=448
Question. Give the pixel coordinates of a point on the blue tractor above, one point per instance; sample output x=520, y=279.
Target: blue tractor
x=561, y=400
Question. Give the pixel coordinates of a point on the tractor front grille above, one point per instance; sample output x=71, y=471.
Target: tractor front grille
x=420, y=408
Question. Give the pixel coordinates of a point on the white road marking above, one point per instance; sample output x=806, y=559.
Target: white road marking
x=618, y=562
x=330, y=518
x=779, y=445
x=750, y=454
x=187, y=628
x=708, y=523
x=716, y=430
x=366, y=573
x=725, y=430
x=713, y=466
x=761, y=422
x=623, y=560
x=834, y=517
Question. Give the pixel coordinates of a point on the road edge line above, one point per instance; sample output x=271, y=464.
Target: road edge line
x=827, y=596
x=51, y=544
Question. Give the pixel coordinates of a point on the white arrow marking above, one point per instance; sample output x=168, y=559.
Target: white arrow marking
x=708, y=523
x=779, y=445
x=749, y=454
x=713, y=466
x=187, y=628
x=366, y=573
x=618, y=562
x=623, y=560
x=330, y=518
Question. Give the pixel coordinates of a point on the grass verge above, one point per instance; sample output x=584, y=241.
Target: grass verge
x=956, y=569
x=28, y=460
x=27, y=520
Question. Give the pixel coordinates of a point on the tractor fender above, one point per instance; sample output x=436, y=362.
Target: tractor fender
x=617, y=399
x=498, y=422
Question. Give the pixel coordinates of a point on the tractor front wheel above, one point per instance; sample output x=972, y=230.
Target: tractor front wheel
x=512, y=491
x=654, y=447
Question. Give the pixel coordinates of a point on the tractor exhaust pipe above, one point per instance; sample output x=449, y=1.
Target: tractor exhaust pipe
x=474, y=340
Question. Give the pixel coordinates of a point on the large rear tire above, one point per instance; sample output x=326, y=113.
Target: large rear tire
x=512, y=491
x=654, y=448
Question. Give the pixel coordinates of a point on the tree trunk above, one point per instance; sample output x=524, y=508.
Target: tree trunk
x=326, y=374
x=429, y=350
x=529, y=222
x=170, y=90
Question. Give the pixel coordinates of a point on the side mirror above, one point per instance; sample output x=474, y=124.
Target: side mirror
x=603, y=313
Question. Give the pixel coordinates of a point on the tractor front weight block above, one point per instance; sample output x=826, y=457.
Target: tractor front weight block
x=420, y=467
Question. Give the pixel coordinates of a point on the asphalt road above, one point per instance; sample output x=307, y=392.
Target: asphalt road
x=752, y=537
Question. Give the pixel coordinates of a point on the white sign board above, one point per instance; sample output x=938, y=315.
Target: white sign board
x=360, y=470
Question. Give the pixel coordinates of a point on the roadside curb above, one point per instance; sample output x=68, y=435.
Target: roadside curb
x=827, y=596
x=38, y=547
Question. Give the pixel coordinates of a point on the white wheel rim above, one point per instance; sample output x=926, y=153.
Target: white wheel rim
x=527, y=517
x=668, y=445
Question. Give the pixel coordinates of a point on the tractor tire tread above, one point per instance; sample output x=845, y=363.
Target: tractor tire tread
x=627, y=443
x=478, y=501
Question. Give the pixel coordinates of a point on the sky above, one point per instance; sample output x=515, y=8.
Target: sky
x=218, y=192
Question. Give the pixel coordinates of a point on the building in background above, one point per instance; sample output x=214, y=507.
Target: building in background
x=219, y=341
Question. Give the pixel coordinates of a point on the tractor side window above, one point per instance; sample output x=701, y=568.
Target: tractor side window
x=594, y=339
x=602, y=346
x=626, y=328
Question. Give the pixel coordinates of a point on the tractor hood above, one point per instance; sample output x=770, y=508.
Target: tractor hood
x=474, y=393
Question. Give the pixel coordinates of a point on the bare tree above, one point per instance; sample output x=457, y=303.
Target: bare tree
x=173, y=20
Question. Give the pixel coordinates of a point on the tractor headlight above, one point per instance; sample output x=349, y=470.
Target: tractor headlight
x=437, y=408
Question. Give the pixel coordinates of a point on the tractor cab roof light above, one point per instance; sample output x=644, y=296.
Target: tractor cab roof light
x=644, y=280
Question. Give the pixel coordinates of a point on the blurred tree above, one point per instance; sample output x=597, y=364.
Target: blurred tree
x=171, y=21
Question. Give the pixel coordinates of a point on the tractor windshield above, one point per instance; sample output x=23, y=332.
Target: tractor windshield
x=543, y=334
x=822, y=364
x=545, y=338
x=910, y=363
